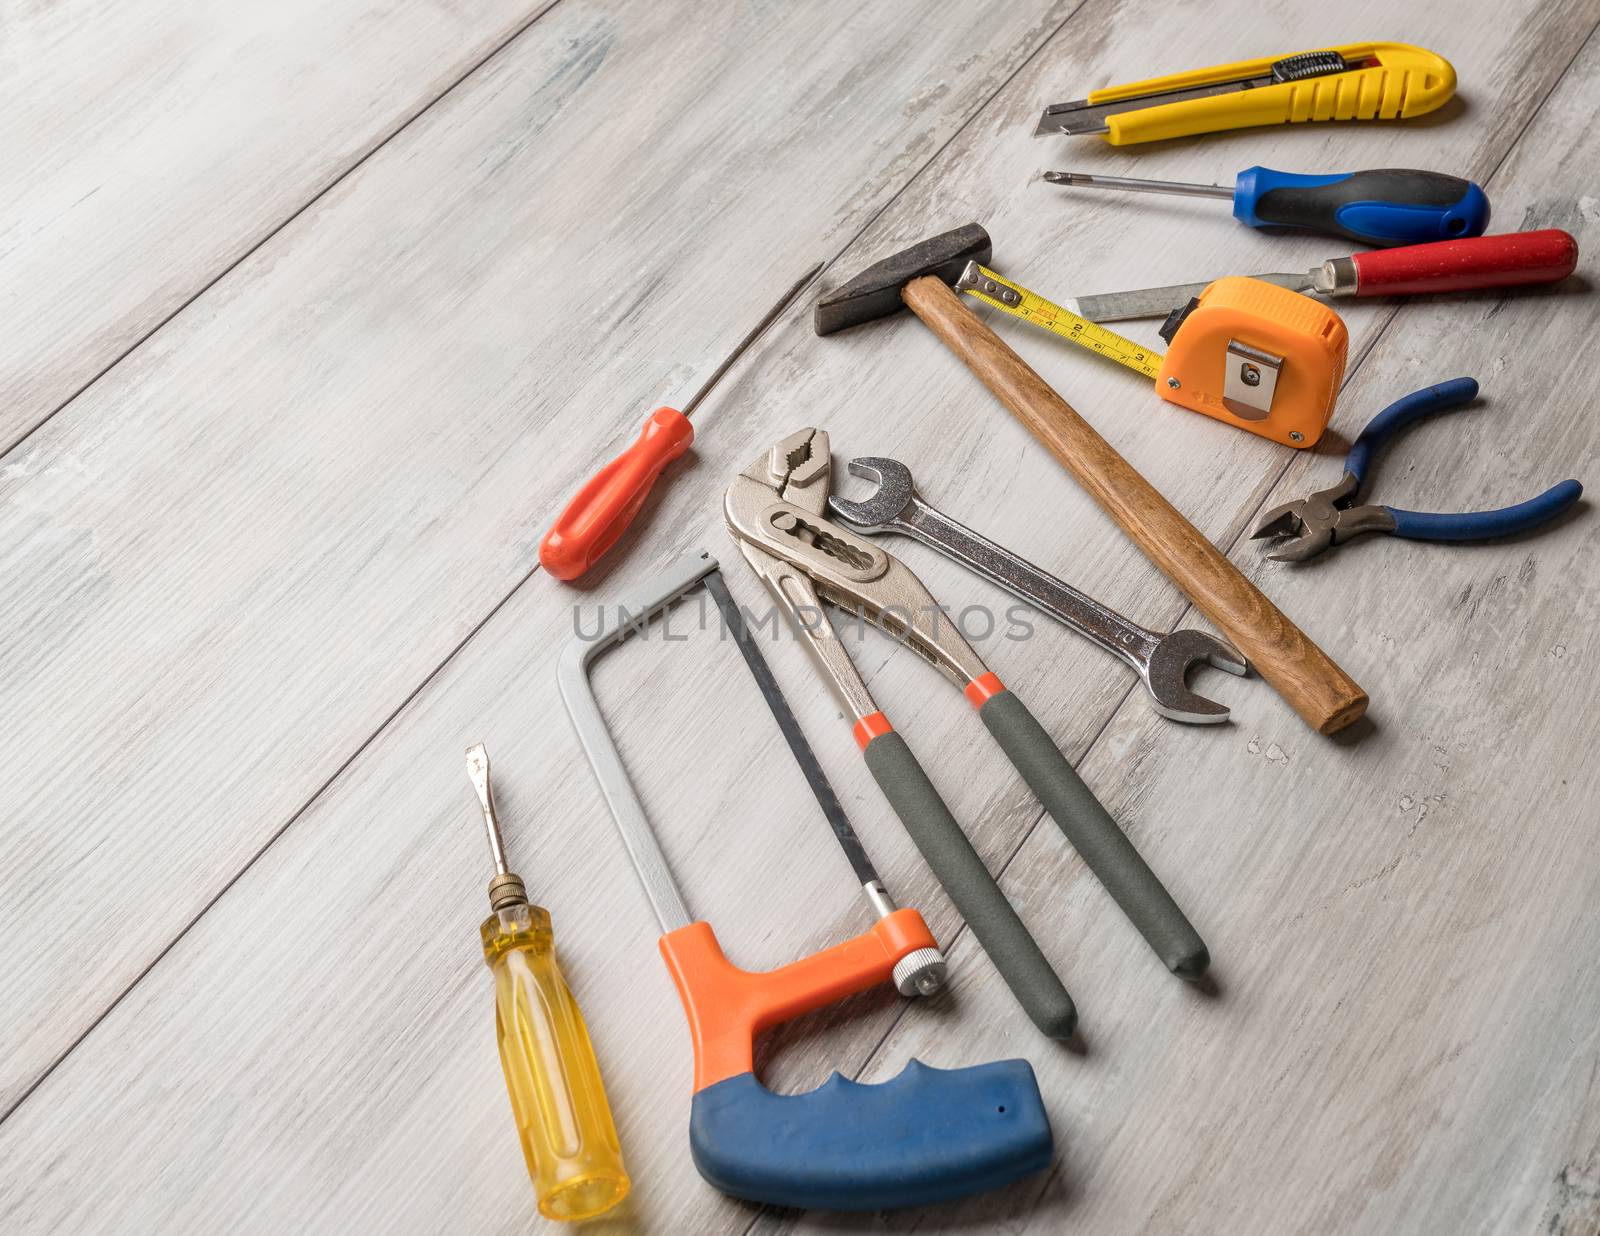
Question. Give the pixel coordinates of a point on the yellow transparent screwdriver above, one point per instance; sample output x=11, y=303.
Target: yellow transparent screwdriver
x=568, y=1137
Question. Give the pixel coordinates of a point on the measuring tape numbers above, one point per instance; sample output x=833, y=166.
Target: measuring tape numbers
x=983, y=284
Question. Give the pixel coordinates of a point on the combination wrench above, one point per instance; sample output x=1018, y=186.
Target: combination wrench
x=1162, y=661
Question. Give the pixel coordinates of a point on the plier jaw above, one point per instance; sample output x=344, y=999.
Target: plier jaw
x=1326, y=518
x=797, y=469
x=778, y=505
x=1320, y=520
x=775, y=510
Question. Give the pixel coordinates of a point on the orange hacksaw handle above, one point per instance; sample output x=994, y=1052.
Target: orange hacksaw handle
x=602, y=510
x=727, y=1007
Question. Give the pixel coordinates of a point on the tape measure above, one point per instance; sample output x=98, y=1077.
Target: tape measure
x=983, y=284
x=1245, y=352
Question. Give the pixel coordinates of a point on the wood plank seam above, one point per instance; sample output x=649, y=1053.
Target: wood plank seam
x=271, y=841
x=7, y=448
x=432, y=674
x=1188, y=609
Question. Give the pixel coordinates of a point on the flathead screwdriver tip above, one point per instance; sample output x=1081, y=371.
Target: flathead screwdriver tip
x=1066, y=178
x=478, y=771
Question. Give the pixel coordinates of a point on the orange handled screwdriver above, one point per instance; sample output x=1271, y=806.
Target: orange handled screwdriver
x=563, y=1119
x=601, y=511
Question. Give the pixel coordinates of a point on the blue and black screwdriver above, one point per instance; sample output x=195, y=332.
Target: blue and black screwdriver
x=1385, y=206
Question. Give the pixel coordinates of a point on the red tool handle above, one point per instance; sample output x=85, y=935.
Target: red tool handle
x=602, y=510
x=1462, y=265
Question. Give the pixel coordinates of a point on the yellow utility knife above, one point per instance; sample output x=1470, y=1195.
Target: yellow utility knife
x=1360, y=81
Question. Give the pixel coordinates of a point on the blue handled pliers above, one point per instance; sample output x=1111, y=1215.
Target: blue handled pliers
x=1327, y=518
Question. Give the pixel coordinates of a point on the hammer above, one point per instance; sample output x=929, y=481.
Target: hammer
x=920, y=278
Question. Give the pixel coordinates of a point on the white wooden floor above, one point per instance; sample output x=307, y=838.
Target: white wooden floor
x=312, y=314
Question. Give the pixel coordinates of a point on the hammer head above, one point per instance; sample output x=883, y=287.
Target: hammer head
x=875, y=292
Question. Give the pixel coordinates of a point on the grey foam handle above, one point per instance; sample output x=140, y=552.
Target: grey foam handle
x=977, y=897
x=1095, y=835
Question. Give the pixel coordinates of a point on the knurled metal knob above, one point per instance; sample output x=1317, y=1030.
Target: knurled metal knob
x=920, y=973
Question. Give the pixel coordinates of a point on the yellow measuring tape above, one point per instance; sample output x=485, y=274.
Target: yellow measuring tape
x=982, y=283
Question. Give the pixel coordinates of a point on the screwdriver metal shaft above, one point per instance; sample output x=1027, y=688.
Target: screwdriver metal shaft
x=1178, y=187
x=504, y=884
x=751, y=336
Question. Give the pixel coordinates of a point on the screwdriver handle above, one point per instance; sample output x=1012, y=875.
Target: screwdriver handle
x=1385, y=206
x=568, y=1137
x=1464, y=265
x=601, y=511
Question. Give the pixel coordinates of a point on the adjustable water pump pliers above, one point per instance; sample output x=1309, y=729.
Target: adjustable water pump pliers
x=1327, y=517
x=776, y=510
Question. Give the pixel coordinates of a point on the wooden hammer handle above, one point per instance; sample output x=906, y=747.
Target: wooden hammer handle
x=1302, y=673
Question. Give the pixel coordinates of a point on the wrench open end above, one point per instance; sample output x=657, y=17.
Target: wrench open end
x=1166, y=677
x=894, y=493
